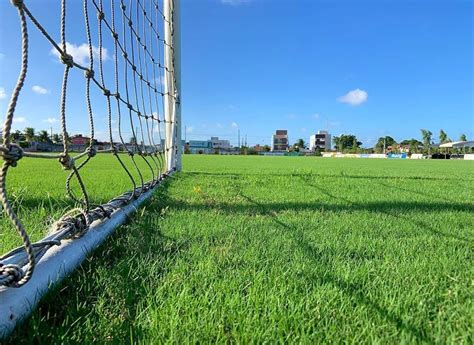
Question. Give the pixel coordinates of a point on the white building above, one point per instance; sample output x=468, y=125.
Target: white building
x=321, y=140
x=280, y=140
x=220, y=144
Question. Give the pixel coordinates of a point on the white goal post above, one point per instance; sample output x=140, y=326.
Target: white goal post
x=142, y=39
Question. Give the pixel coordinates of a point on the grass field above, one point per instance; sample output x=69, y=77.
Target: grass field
x=276, y=249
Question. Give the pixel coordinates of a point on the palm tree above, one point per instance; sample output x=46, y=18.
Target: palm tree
x=56, y=138
x=43, y=137
x=337, y=143
x=29, y=134
x=463, y=137
x=443, y=137
x=426, y=135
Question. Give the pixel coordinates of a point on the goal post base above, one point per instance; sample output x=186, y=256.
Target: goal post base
x=16, y=304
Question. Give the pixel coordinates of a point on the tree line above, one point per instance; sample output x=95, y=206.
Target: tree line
x=348, y=143
x=29, y=135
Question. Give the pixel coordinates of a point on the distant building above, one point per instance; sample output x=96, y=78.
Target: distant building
x=200, y=146
x=78, y=139
x=219, y=144
x=280, y=140
x=321, y=141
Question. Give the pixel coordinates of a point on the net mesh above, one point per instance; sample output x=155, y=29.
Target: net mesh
x=138, y=92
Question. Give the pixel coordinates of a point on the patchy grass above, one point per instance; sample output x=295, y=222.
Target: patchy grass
x=279, y=249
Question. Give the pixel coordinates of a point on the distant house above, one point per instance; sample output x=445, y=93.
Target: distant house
x=280, y=140
x=78, y=139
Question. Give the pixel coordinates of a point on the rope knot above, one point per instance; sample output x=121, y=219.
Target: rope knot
x=115, y=149
x=89, y=73
x=66, y=161
x=17, y=3
x=10, y=275
x=67, y=59
x=117, y=95
x=115, y=35
x=12, y=154
x=106, y=92
x=92, y=152
x=100, y=15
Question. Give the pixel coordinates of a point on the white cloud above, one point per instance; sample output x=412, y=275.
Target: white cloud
x=354, y=97
x=3, y=94
x=40, y=90
x=50, y=120
x=317, y=116
x=234, y=2
x=234, y=125
x=80, y=53
x=19, y=119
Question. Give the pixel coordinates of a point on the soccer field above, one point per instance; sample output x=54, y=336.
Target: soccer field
x=252, y=249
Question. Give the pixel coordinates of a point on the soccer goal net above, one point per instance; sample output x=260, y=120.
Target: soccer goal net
x=127, y=76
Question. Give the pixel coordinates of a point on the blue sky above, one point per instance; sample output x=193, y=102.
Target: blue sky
x=369, y=68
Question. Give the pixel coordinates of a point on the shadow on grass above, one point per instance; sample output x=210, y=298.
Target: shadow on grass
x=397, y=209
x=120, y=272
x=342, y=175
x=324, y=257
x=394, y=209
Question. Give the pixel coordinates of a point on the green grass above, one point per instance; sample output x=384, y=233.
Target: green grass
x=279, y=249
x=36, y=188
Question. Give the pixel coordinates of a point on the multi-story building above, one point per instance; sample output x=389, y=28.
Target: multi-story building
x=320, y=140
x=280, y=140
x=220, y=144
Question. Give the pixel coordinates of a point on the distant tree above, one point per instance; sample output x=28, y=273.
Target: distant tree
x=301, y=144
x=267, y=148
x=43, y=137
x=29, y=133
x=252, y=151
x=346, y=142
x=56, y=138
x=426, y=135
x=443, y=137
x=317, y=152
x=186, y=149
x=133, y=141
x=17, y=136
x=68, y=138
x=413, y=143
x=337, y=143
x=243, y=150
x=384, y=142
x=463, y=137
